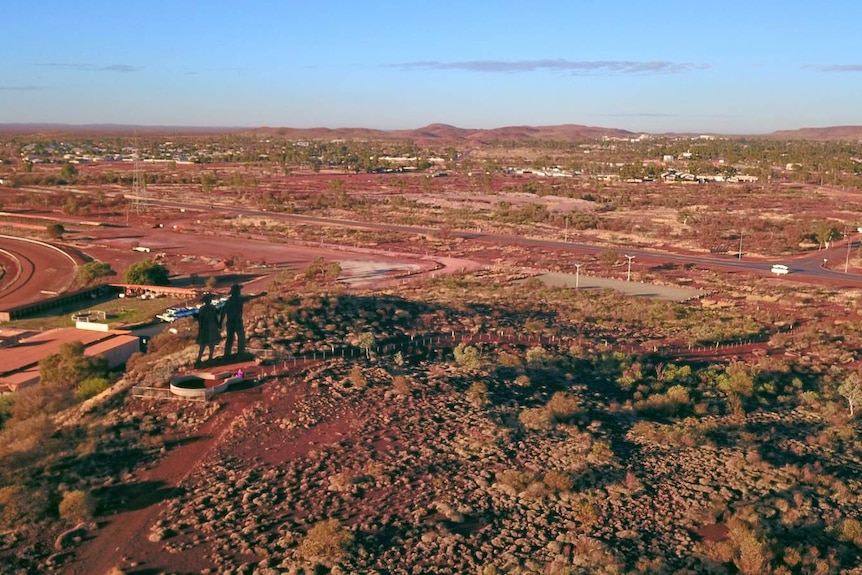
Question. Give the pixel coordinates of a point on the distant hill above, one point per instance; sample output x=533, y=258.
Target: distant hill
x=853, y=133
x=428, y=135
x=444, y=133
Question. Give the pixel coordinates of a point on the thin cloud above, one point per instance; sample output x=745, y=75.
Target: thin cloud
x=639, y=115
x=122, y=68
x=7, y=88
x=836, y=67
x=587, y=67
x=116, y=68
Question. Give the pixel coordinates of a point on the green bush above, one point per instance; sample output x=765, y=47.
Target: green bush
x=147, y=272
x=851, y=530
x=506, y=359
x=536, y=355
x=467, y=357
x=326, y=540
x=674, y=403
x=91, y=271
x=91, y=387
x=77, y=506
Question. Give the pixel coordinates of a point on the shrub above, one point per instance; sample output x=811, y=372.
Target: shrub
x=357, y=378
x=792, y=556
x=326, y=540
x=536, y=418
x=586, y=513
x=477, y=394
x=601, y=453
x=20, y=505
x=30, y=436
x=77, y=506
x=851, y=530
x=558, y=481
x=467, y=357
x=563, y=406
x=91, y=387
x=518, y=480
x=674, y=403
x=91, y=271
x=400, y=385
x=506, y=359
x=5, y=409
x=536, y=355
x=55, y=231
x=523, y=381
x=751, y=550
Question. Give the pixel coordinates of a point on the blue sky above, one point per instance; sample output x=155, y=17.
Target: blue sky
x=695, y=66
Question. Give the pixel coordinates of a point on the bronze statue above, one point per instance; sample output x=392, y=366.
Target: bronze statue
x=231, y=314
x=209, y=327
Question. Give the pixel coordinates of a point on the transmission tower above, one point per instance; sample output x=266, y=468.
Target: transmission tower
x=137, y=183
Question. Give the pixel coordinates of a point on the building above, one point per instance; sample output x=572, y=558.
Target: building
x=19, y=358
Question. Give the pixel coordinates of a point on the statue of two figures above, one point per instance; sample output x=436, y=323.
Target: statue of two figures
x=210, y=320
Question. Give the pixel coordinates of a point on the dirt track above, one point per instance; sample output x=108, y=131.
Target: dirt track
x=125, y=532
x=33, y=269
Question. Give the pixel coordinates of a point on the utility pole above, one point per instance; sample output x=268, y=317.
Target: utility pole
x=629, y=272
x=740, y=244
x=847, y=260
x=578, y=276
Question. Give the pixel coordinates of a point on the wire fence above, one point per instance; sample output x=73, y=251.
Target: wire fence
x=443, y=341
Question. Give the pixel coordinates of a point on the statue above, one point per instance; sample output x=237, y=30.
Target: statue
x=231, y=314
x=209, y=327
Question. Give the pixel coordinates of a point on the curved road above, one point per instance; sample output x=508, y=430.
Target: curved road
x=34, y=270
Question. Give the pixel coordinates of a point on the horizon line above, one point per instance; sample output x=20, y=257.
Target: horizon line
x=118, y=125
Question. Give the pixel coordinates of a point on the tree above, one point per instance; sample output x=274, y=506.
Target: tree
x=68, y=173
x=59, y=376
x=825, y=233
x=366, y=342
x=851, y=390
x=737, y=382
x=55, y=230
x=209, y=180
x=70, y=366
x=91, y=271
x=333, y=270
x=147, y=272
x=609, y=257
